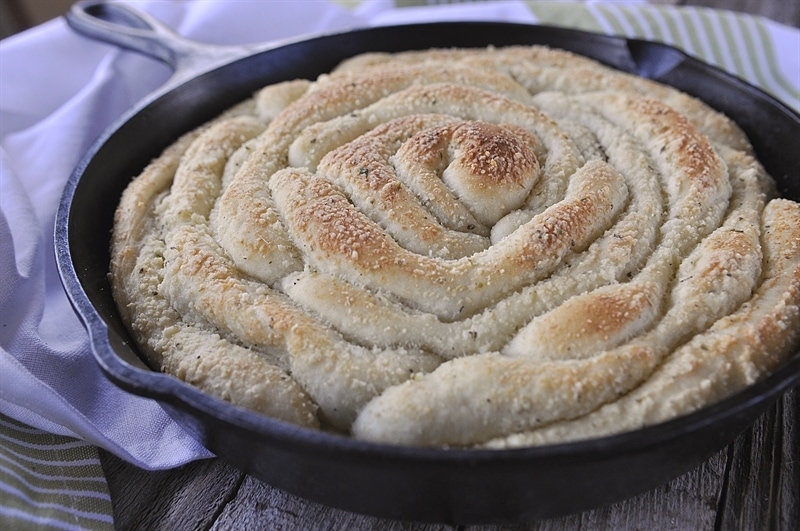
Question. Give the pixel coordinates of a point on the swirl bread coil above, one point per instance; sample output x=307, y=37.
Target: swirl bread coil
x=488, y=247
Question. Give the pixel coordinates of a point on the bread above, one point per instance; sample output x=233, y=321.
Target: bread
x=491, y=247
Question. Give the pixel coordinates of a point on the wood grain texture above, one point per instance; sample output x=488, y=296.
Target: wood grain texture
x=762, y=473
x=190, y=497
x=753, y=484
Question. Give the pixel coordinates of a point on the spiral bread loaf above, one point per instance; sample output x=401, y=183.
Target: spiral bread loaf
x=482, y=248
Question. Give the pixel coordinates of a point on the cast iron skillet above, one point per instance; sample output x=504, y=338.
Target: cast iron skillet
x=433, y=485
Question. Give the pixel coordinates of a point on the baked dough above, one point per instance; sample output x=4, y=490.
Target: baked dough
x=493, y=248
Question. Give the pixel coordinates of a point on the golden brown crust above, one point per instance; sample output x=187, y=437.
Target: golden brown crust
x=497, y=247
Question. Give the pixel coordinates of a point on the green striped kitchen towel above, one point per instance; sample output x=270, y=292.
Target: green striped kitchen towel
x=760, y=51
x=50, y=481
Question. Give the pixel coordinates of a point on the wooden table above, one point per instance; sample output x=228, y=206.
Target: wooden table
x=754, y=483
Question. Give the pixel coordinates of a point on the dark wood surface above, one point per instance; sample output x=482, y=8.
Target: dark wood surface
x=752, y=484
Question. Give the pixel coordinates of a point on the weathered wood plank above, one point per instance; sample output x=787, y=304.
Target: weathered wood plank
x=788, y=499
x=763, y=478
x=189, y=497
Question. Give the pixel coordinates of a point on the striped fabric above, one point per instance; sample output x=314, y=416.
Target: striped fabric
x=50, y=481
x=740, y=44
x=743, y=45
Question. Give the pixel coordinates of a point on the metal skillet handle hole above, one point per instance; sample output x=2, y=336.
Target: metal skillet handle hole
x=654, y=60
x=117, y=15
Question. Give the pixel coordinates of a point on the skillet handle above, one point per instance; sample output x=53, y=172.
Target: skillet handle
x=128, y=28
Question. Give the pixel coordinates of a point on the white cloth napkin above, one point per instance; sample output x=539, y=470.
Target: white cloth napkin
x=59, y=91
